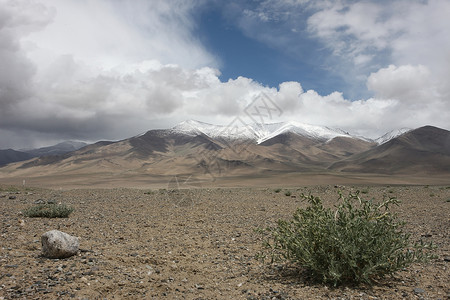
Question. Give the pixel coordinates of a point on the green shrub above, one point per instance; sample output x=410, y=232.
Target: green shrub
x=287, y=193
x=356, y=242
x=277, y=190
x=48, y=211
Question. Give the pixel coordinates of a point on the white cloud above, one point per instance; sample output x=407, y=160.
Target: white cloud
x=88, y=70
x=109, y=33
x=353, y=29
x=83, y=69
x=402, y=32
x=405, y=83
x=400, y=49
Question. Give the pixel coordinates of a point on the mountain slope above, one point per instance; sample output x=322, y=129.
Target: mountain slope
x=391, y=135
x=57, y=149
x=259, y=133
x=423, y=150
x=203, y=150
x=199, y=148
x=10, y=156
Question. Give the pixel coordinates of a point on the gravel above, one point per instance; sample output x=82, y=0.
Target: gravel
x=147, y=244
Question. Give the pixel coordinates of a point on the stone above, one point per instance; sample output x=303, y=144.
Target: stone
x=418, y=291
x=58, y=244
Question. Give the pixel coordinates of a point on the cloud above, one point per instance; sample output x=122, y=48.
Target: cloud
x=91, y=79
x=17, y=20
x=361, y=36
x=398, y=51
x=130, y=67
x=353, y=28
x=109, y=33
x=375, y=33
x=405, y=83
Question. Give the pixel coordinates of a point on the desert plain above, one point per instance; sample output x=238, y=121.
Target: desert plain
x=199, y=242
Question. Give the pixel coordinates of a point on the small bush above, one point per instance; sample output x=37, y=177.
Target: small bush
x=287, y=193
x=48, y=211
x=277, y=190
x=355, y=243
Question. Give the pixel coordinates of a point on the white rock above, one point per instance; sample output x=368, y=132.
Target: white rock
x=57, y=244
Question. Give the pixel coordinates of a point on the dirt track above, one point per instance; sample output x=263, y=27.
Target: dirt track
x=195, y=244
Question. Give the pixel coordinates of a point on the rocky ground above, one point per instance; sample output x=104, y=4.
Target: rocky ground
x=196, y=244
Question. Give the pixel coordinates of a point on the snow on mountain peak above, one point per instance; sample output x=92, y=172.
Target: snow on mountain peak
x=391, y=135
x=315, y=131
x=258, y=132
x=192, y=127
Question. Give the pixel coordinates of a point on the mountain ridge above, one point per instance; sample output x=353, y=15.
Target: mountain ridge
x=209, y=153
x=8, y=156
x=260, y=132
x=426, y=148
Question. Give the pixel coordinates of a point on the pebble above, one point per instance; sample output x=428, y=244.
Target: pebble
x=418, y=291
x=11, y=266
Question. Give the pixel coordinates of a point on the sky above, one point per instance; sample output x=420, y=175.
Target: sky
x=94, y=70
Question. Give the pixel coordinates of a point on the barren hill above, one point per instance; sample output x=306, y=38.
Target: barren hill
x=423, y=150
x=206, y=151
x=9, y=155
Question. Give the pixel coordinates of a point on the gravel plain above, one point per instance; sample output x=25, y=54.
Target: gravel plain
x=196, y=244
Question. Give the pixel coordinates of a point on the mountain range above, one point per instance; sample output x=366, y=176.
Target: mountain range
x=9, y=155
x=203, y=150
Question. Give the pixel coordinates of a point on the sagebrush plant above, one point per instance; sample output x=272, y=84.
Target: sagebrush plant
x=356, y=242
x=48, y=211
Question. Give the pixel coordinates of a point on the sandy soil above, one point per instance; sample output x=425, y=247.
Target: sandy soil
x=195, y=244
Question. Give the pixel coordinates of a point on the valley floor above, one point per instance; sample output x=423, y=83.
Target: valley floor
x=197, y=243
x=107, y=180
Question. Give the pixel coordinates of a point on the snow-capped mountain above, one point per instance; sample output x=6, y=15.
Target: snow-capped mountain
x=259, y=132
x=192, y=127
x=201, y=150
x=391, y=134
